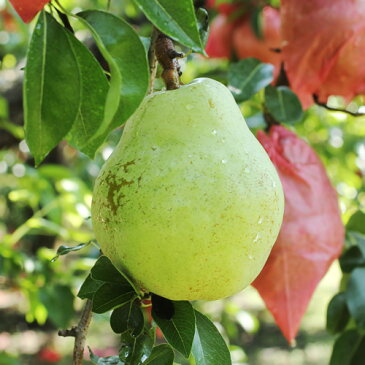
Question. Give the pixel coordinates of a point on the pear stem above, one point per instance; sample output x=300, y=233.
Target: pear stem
x=152, y=59
x=167, y=57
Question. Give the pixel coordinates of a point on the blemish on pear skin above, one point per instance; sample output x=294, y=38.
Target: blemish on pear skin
x=211, y=104
x=115, y=188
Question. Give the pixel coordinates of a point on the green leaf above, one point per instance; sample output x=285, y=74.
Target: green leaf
x=58, y=301
x=283, y=104
x=345, y=347
x=356, y=222
x=337, y=313
x=355, y=296
x=247, y=77
x=203, y=25
x=352, y=258
x=89, y=288
x=175, y=19
x=93, y=93
x=128, y=317
x=51, y=87
x=104, y=270
x=179, y=330
x=134, y=349
x=122, y=48
x=161, y=355
x=64, y=250
x=110, y=360
x=209, y=347
x=359, y=356
x=110, y=296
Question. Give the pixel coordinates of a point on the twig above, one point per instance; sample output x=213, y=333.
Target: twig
x=167, y=57
x=79, y=332
x=324, y=105
x=152, y=59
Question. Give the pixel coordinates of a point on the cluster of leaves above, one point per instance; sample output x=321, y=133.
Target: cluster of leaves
x=185, y=329
x=85, y=110
x=247, y=77
x=346, y=311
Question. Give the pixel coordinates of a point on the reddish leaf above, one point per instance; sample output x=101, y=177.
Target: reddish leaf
x=28, y=9
x=247, y=44
x=219, y=43
x=311, y=236
x=324, y=42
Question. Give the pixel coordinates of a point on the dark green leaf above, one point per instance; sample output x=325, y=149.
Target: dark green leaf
x=351, y=259
x=247, y=77
x=203, y=25
x=161, y=355
x=64, y=250
x=179, y=330
x=93, y=93
x=104, y=270
x=345, y=348
x=134, y=349
x=125, y=53
x=209, y=347
x=256, y=22
x=162, y=307
x=355, y=296
x=58, y=301
x=357, y=222
x=89, y=288
x=283, y=104
x=110, y=296
x=337, y=313
x=51, y=87
x=128, y=317
x=359, y=356
x=175, y=19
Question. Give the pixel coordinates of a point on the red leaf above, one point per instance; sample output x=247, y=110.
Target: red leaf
x=28, y=9
x=219, y=43
x=247, y=44
x=311, y=236
x=324, y=42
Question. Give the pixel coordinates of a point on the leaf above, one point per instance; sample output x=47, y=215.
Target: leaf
x=112, y=295
x=359, y=356
x=352, y=258
x=175, y=19
x=203, y=25
x=58, y=301
x=355, y=296
x=104, y=270
x=26, y=9
x=283, y=104
x=64, y=250
x=305, y=247
x=51, y=87
x=209, y=347
x=160, y=355
x=356, y=222
x=345, y=348
x=110, y=360
x=122, y=48
x=89, y=288
x=134, y=349
x=337, y=313
x=93, y=93
x=247, y=77
x=179, y=330
x=163, y=308
x=128, y=317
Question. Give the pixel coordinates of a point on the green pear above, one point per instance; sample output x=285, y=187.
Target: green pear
x=189, y=204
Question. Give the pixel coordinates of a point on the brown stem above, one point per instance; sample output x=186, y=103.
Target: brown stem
x=152, y=59
x=167, y=57
x=324, y=105
x=79, y=332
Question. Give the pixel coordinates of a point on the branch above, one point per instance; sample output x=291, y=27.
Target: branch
x=152, y=59
x=324, y=105
x=167, y=57
x=79, y=332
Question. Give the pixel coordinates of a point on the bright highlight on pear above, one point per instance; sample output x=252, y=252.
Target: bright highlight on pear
x=189, y=204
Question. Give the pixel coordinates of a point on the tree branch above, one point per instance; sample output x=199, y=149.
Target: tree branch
x=152, y=59
x=167, y=57
x=324, y=105
x=79, y=332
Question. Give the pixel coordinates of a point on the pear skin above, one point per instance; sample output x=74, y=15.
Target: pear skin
x=189, y=204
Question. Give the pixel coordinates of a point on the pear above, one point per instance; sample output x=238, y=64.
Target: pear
x=189, y=204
